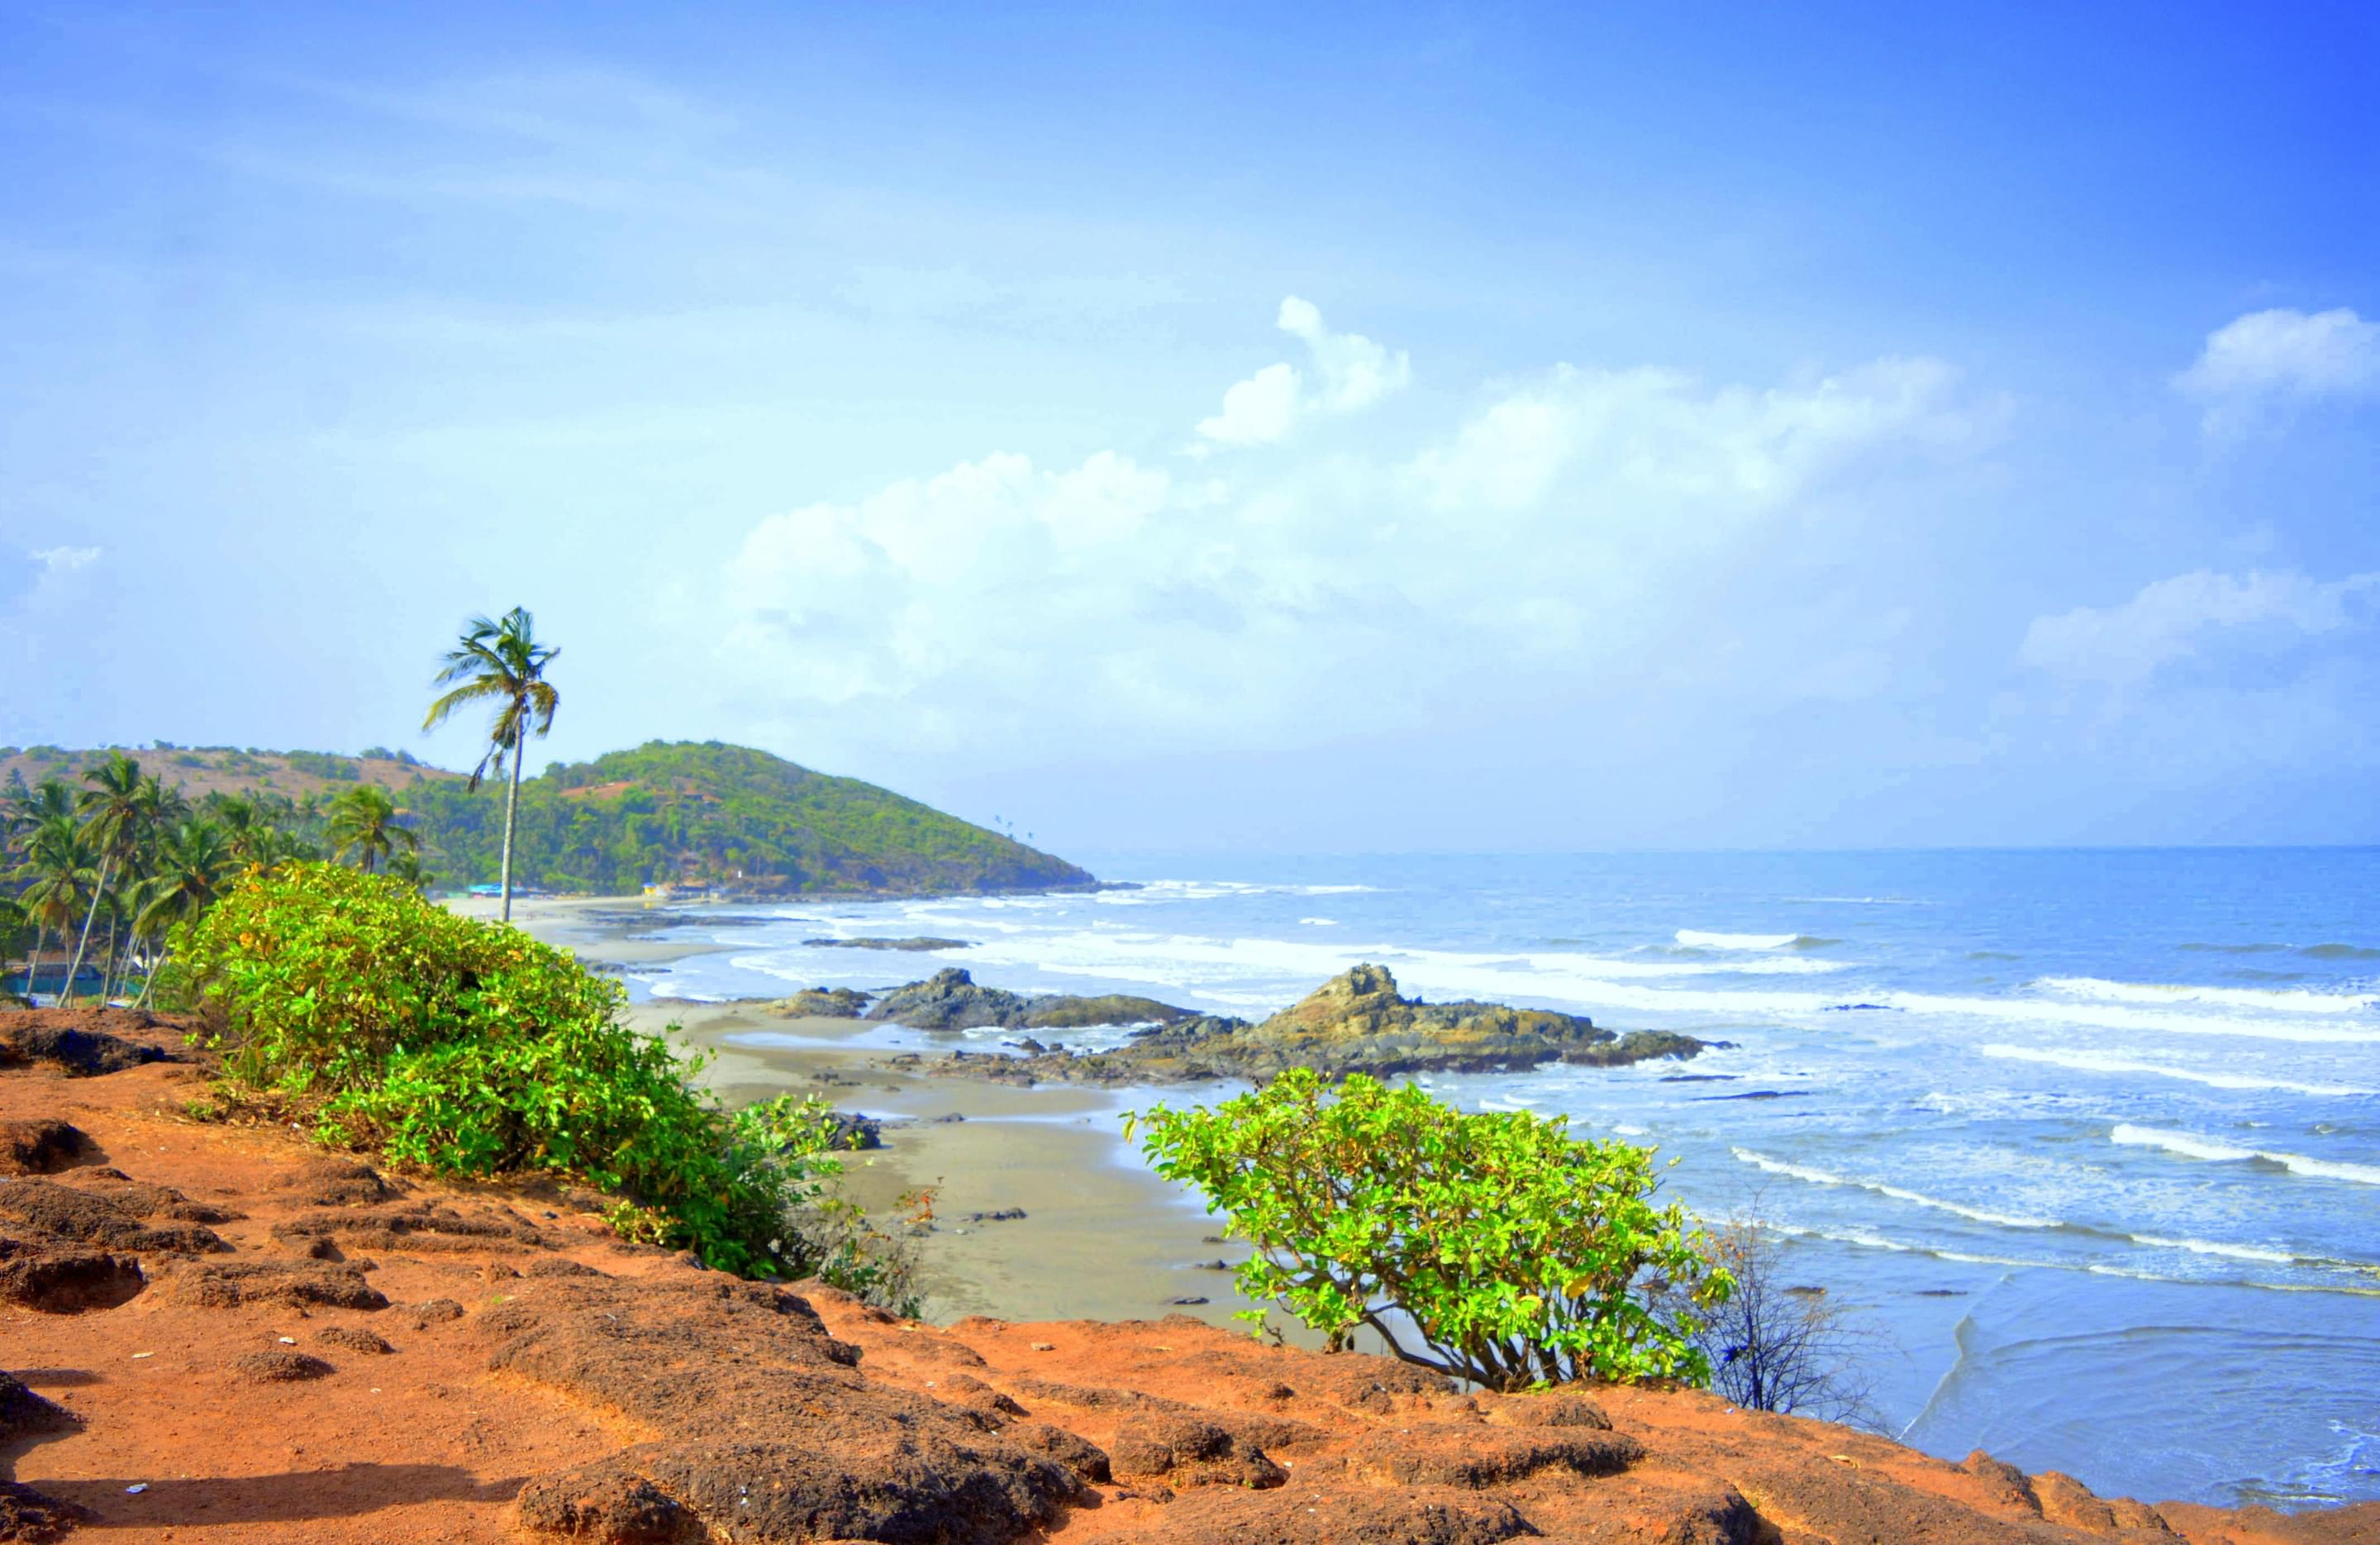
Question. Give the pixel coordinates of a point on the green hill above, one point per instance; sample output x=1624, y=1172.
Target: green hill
x=664, y=812
x=682, y=810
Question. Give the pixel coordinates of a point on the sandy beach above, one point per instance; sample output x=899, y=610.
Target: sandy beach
x=1101, y=1238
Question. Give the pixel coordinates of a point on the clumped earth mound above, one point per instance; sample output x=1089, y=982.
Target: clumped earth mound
x=85, y=1042
x=1356, y=1022
x=551, y=1382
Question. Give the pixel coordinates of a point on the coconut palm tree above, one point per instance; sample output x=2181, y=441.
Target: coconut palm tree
x=113, y=807
x=160, y=807
x=363, y=822
x=500, y=663
x=58, y=871
x=13, y=923
x=194, y=862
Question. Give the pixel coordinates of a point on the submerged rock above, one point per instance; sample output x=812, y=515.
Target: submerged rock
x=923, y=944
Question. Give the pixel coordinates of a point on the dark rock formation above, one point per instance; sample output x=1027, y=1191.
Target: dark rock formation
x=921, y=944
x=1356, y=1022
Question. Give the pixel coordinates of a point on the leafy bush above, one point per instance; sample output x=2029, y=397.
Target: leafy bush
x=471, y=1049
x=1508, y=1252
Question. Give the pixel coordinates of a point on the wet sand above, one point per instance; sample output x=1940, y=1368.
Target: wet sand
x=1101, y=1238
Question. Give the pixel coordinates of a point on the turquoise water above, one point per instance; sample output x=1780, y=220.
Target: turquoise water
x=2091, y=1140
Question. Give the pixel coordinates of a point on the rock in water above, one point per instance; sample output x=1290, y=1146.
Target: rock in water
x=1357, y=1022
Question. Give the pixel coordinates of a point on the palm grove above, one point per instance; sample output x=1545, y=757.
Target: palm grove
x=98, y=875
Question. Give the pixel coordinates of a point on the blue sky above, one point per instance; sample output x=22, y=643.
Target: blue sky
x=1219, y=427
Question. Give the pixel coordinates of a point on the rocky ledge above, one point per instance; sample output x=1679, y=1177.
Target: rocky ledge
x=219, y=1334
x=1357, y=1022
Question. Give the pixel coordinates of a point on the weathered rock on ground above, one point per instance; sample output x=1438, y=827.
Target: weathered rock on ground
x=554, y=1383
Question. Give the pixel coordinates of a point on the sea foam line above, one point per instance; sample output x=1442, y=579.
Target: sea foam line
x=2191, y=1146
x=2091, y=1062
x=2295, y=999
x=1696, y=938
x=1826, y=1177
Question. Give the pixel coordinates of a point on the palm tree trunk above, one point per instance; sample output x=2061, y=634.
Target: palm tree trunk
x=512, y=802
x=65, y=990
x=33, y=961
x=112, y=962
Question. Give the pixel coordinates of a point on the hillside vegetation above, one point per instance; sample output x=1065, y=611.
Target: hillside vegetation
x=726, y=813
x=661, y=812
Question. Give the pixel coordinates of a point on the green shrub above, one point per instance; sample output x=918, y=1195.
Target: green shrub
x=470, y=1049
x=1494, y=1246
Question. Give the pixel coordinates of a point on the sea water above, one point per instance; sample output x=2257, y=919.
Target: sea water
x=2089, y=1139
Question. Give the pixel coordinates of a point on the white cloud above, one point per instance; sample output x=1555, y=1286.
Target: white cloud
x=65, y=560
x=1562, y=534
x=1351, y=374
x=2194, y=614
x=1650, y=432
x=1258, y=410
x=2281, y=354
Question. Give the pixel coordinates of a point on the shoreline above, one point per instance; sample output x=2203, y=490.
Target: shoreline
x=1101, y=1238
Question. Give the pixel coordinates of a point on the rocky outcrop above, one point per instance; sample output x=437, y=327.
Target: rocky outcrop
x=1357, y=1022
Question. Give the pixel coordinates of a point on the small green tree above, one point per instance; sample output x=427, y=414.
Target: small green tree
x=1492, y=1246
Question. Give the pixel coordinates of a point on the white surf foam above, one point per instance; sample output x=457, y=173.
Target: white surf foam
x=2093, y=1062
x=2293, y=1000
x=1826, y=1177
x=2192, y=1147
x=1696, y=938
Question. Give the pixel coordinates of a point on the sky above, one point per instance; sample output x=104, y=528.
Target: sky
x=1494, y=428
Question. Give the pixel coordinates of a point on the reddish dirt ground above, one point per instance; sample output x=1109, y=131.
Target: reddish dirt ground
x=223, y=1335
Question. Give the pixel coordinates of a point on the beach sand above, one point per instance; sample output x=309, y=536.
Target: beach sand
x=1101, y=1238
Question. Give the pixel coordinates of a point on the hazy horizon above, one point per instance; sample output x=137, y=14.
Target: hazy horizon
x=1530, y=432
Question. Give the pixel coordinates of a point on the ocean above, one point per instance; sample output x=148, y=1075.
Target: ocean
x=2089, y=1140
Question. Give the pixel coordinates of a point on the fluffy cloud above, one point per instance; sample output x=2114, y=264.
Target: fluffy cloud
x=1656, y=433
x=1556, y=537
x=1351, y=372
x=2195, y=614
x=2278, y=354
x=65, y=560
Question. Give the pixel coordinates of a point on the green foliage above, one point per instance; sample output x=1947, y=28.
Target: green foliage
x=324, y=764
x=470, y=1049
x=1511, y=1253
x=670, y=812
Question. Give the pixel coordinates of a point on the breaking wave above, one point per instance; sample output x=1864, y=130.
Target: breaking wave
x=2206, y=1149
x=2093, y=1062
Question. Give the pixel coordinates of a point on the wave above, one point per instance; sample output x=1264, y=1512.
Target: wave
x=1317, y=922
x=2262, y=1254
x=2191, y=1146
x=2091, y=1062
x=2111, y=1016
x=1148, y=893
x=1858, y=901
x=2294, y=1000
x=1826, y=1177
x=1696, y=938
x=2314, y=952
